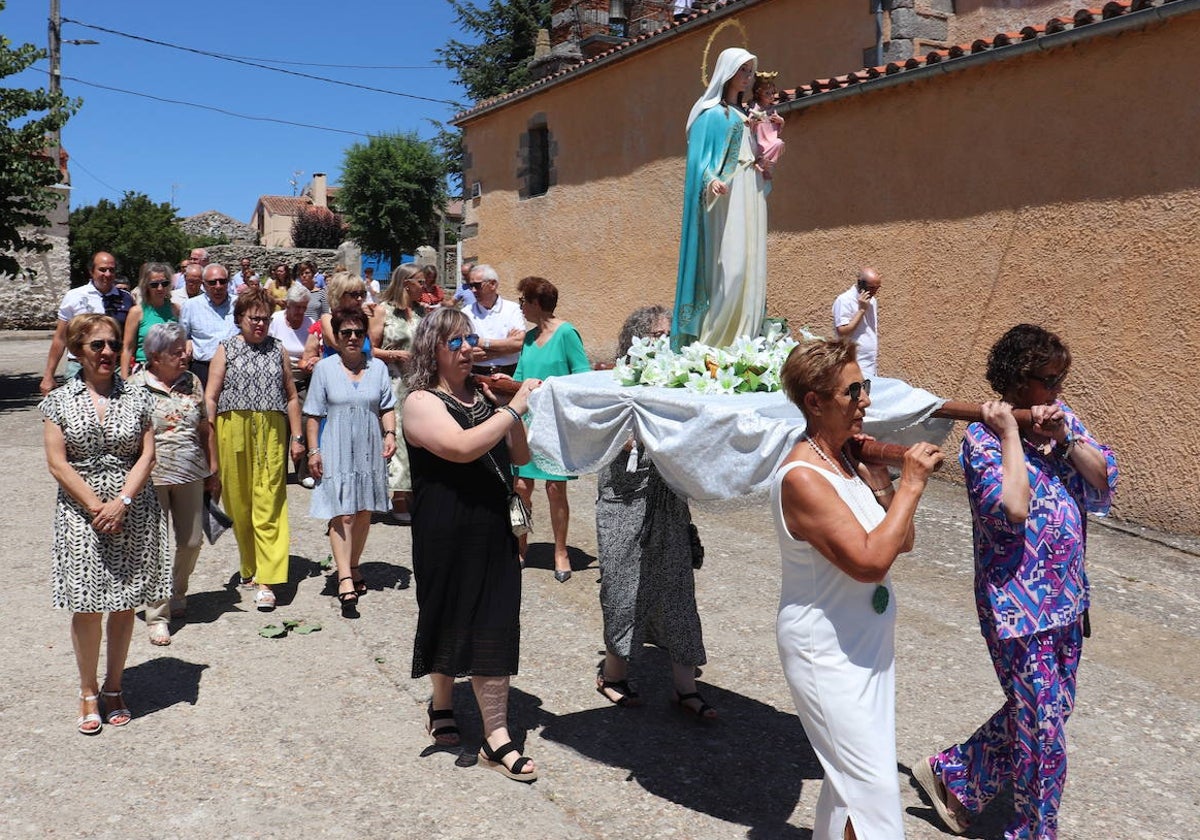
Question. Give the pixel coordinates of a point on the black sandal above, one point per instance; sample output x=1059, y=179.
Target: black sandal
x=702, y=713
x=348, y=599
x=442, y=735
x=628, y=699
x=495, y=760
x=360, y=585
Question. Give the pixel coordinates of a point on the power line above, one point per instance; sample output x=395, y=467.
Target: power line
x=75, y=162
x=214, y=108
x=248, y=63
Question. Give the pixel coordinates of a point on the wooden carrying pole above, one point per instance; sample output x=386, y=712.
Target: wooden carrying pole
x=871, y=451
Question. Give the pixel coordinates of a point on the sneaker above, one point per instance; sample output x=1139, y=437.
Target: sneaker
x=308, y=482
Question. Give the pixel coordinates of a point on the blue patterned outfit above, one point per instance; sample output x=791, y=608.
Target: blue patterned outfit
x=1031, y=591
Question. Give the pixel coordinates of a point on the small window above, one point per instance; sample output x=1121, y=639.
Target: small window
x=539, y=160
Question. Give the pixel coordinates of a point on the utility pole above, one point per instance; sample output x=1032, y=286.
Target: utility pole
x=55, y=44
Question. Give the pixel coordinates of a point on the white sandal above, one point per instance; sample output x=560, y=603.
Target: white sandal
x=264, y=600
x=160, y=635
x=91, y=717
x=111, y=714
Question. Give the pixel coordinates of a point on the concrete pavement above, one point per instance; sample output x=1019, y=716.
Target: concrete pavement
x=323, y=735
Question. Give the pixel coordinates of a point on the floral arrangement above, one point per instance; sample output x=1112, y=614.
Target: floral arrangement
x=746, y=366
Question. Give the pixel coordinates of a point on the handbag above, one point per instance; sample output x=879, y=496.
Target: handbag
x=214, y=521
x=520, y=518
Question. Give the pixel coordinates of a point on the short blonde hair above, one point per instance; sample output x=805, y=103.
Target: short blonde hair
x=814, y=366
x=81, y=326
x=341, y=283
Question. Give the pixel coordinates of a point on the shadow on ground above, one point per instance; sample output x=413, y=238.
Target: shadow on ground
x=160, y=683
x=19, y=392
x=987, y=825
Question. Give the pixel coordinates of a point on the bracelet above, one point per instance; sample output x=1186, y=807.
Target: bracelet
x=298, y=438
x=883, y=491
x=313, y=452
x=1068, y=446
x=511, y=411
x=387, y=432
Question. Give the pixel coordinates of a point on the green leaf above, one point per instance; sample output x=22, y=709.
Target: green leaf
x=291, y=623
x=306, y=628
x=273, y=631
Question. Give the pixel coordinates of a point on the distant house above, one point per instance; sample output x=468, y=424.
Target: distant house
x=273, y=214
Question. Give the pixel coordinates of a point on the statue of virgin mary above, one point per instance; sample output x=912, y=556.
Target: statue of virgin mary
x=721, y=287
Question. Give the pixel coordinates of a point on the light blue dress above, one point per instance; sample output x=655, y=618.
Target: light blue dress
x=355, y=473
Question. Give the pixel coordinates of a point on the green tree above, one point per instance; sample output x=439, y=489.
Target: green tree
x=28, y=169
x=506, y=33
x=317, y=227
x=390, y=187
x=135, y=231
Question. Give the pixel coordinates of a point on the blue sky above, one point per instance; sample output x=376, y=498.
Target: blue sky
x=201, y=160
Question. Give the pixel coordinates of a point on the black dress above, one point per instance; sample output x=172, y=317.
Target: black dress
x=464, y=559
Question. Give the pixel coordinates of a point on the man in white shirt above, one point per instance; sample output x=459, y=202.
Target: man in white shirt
x=100, y=296
x=192, y=284
x=856, y=318
x=498, y=323
x=199, y=257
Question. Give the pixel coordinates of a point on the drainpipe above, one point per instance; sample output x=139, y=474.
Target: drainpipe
x=877, y=10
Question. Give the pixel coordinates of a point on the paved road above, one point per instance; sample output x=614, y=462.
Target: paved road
x=322, y=735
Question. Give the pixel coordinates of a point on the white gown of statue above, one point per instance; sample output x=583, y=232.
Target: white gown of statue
x=736, y=235
x=838, y=655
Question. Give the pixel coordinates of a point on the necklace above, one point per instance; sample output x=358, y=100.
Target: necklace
x=880, y=597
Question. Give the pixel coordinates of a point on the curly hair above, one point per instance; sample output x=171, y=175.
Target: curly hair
x=640, y=324
x=1021, y=351
x=432, y=331
x=541, y=291
x=814, y=366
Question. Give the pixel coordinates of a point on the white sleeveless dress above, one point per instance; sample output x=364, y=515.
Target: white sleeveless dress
x=838, y=655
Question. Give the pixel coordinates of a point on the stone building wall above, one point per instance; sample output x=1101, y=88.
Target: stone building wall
x=30, y=300
x=262, y=258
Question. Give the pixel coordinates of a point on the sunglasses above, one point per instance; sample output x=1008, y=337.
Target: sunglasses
x=351, y=332
x=855, y=390
x=1050, y=382
x=100, y=343
x=455, y=344
x=158, y=284
x=475, y=287
x=258, y=319
x=216, y=282
x=354, y=294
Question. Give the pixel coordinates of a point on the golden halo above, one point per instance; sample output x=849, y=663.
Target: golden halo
x=734, y=22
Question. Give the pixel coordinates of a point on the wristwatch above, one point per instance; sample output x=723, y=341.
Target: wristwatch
x=298, y=438
x=126, y=500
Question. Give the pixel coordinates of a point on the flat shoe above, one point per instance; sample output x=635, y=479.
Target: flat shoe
x=159, y=634
x=85, y=721
x=627, y=697
x=115, y=717
x=446, y=735
x=705, y=712
x=935, y=789
x=264, y=601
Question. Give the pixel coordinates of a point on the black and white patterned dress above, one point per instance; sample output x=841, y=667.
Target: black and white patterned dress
x=96, y=572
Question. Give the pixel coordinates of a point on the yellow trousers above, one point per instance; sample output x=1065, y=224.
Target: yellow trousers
x=253, y=470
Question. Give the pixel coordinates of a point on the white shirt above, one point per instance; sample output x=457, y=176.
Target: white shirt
x=293, y=340
x=87, y=299
x=496, y=323
x=867, y=332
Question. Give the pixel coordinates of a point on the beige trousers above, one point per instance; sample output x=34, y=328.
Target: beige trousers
x=184, y=504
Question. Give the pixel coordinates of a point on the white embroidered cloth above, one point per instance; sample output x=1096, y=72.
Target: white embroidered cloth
x=706, y=446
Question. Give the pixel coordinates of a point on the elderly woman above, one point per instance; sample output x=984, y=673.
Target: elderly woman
x=841, y=526
x=647, y=580
x=461, y=447
x=1030, y=494
x=185, y=461
x=109, y=533
x=156, y=307
x=253, y=398
x=291, y=327
x=280, y=283
x=354, y=394
x=552, y=348
x=392, y=328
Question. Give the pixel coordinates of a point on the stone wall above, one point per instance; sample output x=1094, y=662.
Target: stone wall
x=214, y=223
x=30, y=300
x=262, y=258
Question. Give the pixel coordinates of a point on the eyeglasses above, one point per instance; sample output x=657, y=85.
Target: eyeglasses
x=351, y=332
x=1049, y=382
x=258, y=319
x=100, y=343
x=455, y=344
x=220, y=281
x=474, y=287
x=158, y=284
x=855, y=390
x=359, y=295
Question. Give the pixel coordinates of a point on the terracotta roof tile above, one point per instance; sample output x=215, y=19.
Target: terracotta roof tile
x=285, y=205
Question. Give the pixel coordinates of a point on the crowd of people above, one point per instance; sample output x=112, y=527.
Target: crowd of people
x=388, y=401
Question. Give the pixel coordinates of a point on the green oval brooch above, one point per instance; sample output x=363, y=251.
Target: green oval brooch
x=879, y=601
